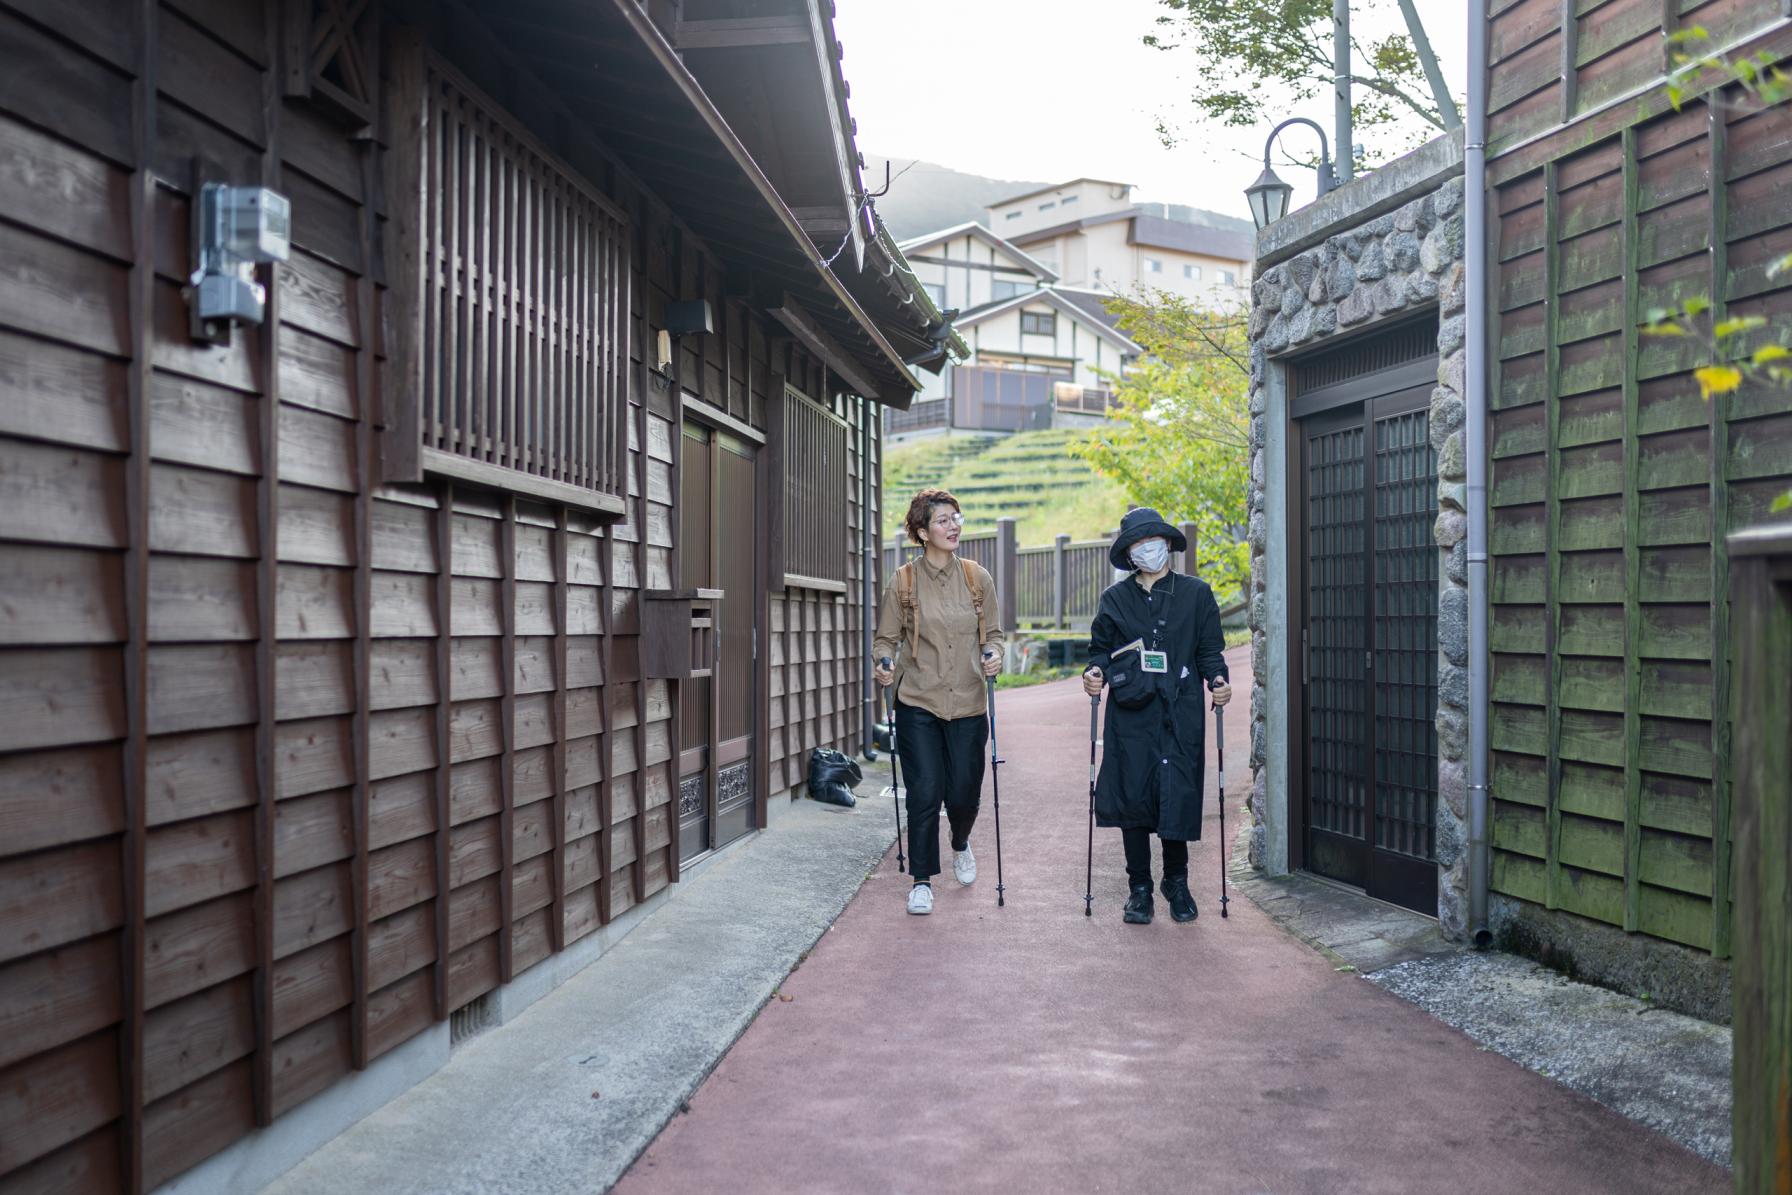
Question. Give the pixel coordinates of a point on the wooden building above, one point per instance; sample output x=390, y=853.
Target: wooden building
x=360, y=663
x=1612, y=484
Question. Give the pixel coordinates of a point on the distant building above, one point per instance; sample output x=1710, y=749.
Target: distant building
x=1090, y=233
x=1039, y=350
x=1029, y=288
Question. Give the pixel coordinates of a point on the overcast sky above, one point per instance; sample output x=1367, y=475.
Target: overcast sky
x=1057, y=89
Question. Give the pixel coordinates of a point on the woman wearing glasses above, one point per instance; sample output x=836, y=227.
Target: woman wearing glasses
x=941, y=611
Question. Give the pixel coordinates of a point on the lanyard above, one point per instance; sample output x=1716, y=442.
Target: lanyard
x=1159, y=622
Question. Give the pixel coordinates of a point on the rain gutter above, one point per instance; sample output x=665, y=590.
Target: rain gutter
x=1475, y=239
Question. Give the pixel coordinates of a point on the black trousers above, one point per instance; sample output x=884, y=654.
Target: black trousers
x=942, y=764
x=1138, y=857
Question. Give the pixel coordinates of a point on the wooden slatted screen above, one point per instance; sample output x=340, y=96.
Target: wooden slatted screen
x=526, y=300
x=1612, y=487
x=814, y=492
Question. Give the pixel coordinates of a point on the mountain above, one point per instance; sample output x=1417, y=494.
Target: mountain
x=1183, y=213
x=927, y=197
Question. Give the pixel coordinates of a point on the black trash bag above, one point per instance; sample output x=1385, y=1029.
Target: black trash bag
x=832, y=776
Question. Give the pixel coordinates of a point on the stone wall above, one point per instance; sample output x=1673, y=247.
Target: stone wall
x=1384, y=269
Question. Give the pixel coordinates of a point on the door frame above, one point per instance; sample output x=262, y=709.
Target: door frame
x=1379, y=394
x=718, y=422
x=1290, y=399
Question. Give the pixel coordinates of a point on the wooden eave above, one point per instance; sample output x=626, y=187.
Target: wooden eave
x=754, y=65
x=617, y=72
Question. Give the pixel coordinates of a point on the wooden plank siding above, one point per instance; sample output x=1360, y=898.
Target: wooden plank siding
x=296, y=760
x=1612, y=484
x=816, y=646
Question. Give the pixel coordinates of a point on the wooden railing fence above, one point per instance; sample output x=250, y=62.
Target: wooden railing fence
x=922, y=415
x=1083, y=400
x=1057, y=585
x=980, y=547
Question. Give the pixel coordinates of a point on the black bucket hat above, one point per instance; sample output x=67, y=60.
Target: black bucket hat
x=1142, y=523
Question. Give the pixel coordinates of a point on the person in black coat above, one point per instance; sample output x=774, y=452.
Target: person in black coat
x=1155, y=641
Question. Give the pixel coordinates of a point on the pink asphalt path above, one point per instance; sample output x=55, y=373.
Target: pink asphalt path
x=1031, y=1048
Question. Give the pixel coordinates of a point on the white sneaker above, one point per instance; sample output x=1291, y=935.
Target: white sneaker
x=964, y=866
x=920, y=899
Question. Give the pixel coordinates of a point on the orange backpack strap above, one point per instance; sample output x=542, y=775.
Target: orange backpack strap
x=974, y=583
x=905, y=593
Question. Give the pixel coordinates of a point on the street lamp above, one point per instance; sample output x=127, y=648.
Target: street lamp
x=1269, y=195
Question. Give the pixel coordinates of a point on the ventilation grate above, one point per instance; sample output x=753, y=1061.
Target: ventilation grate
x=473, y=1018
x=1397, y=346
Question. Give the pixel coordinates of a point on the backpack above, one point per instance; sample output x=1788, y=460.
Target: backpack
x=905, y=592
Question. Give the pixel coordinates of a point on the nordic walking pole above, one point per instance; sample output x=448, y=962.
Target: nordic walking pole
x=1089, y=864
x=895, y=770
x=995, y=774
x=1219, y=733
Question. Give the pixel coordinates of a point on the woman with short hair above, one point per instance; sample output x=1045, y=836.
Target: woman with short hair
x=938, y=640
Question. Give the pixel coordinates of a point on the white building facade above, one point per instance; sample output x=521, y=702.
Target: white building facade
x=1091, y=234
x=1029, y=290
x=1042, y=354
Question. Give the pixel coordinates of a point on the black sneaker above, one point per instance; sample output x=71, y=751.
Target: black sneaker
x=1138, y=905
x=1182, y=901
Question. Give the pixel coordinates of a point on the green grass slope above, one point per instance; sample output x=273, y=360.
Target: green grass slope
x=1031, y=476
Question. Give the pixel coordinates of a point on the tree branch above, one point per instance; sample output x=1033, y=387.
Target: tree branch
x=1394, y=92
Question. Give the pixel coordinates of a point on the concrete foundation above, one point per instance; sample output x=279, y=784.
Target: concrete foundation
x=1670, y=975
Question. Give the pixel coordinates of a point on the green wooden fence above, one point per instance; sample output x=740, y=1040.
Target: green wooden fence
x=1612, y=487
x=1762, y=973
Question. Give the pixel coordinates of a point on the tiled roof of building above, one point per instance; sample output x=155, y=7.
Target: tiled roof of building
x=1092, y=303
x=1160, y=233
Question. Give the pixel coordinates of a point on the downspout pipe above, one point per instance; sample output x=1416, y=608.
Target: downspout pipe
x=868, y=534
x=1476, y=314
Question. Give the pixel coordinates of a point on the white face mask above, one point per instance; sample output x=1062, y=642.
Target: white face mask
x=1151, y=555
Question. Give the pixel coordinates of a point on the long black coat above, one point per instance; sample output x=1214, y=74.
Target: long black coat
x=1154, y=759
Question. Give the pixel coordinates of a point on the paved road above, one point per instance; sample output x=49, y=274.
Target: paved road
x=986, y=1049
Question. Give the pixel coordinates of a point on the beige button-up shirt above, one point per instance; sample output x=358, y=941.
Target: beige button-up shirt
x=945, y=674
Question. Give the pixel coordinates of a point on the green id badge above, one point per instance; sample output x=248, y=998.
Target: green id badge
x=1154, y=661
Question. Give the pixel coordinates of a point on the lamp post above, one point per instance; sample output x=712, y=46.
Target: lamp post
x=1269, y=195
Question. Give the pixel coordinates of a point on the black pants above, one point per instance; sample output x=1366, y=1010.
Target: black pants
x=1138, y=857
x=942, y=763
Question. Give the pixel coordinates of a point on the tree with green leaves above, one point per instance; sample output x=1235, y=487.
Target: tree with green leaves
x=1180, y=439
x=1240, y=46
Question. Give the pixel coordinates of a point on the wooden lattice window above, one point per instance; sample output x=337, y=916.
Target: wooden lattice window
x=815, y=494
x=522, y=312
